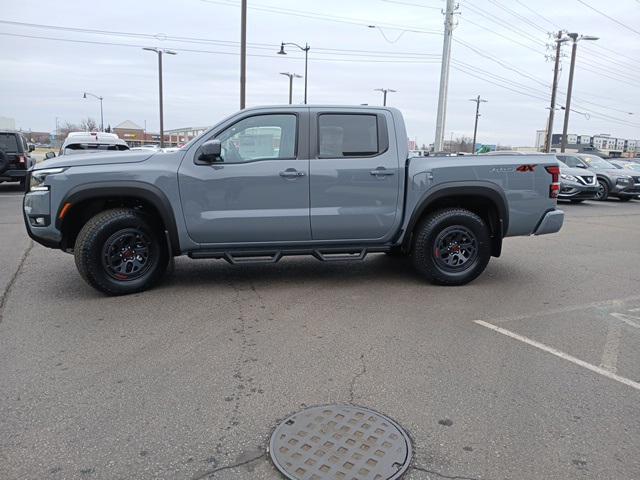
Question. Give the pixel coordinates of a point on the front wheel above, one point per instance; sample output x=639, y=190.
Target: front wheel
x=118, y=252
x=451, y=247
x=603, y=190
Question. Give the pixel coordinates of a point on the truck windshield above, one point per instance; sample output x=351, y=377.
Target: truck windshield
x=8, y=142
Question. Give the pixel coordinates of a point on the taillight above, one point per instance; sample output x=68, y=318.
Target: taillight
x=22, y=159
x=554, y=188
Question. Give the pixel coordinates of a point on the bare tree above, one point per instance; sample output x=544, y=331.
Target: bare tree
x=88, y=125
x=65, y=128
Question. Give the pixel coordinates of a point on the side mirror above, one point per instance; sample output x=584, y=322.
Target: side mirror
x=210, y=151
x=580, y=165
x=49, y=155
x=32, y=147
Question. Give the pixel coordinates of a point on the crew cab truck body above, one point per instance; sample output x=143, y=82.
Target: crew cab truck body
x=332, y=182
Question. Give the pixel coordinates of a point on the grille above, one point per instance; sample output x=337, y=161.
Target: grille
x=588, y=179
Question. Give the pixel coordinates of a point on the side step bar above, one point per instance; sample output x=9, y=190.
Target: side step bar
x=328, y=254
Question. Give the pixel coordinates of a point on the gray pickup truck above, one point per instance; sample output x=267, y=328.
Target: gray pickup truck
x=333, y=182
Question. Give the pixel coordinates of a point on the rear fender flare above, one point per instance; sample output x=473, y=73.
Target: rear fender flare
x=477, y=189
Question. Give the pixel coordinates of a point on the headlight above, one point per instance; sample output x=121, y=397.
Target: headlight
x=623, y=180
x=566, y=176
x=39, y=176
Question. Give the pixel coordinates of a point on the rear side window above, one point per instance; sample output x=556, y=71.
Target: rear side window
x=8, y=142
x=347, y=135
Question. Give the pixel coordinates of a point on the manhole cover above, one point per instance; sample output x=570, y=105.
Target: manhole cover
x=340, y=442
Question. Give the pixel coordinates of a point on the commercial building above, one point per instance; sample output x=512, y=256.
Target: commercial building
x=613, y=146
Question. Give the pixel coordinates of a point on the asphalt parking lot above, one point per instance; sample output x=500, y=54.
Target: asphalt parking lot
x=532, y=371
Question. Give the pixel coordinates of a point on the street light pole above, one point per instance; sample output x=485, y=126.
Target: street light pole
x=291, y=77
x=305, y=49
x=478, y=101
x=384, y=94
x=160, y=52
x=576, y=39
x=84, y=95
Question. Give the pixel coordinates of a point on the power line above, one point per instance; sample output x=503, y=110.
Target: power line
x=198, y=40
x=191, y=50
x=611, y=51
x=520, y=17
x=323, y=16
x=609, y=17
x=412, y=4
x=501, y=22
x=540, y=15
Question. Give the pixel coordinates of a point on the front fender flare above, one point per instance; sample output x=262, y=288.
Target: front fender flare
x=132, y=189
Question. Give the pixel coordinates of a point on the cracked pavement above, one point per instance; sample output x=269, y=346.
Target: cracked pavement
x=187, y=381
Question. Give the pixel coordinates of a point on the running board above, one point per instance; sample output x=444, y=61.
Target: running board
x=327, y=254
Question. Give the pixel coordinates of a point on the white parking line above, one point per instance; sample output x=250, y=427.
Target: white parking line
x=560, y=354
x=611, y=348
x=626, y=319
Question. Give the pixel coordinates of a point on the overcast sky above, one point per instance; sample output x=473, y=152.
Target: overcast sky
x=43, y=78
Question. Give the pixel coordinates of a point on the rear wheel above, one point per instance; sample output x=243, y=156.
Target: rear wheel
x=451, y=247
x=118, y=252
x=603, y=190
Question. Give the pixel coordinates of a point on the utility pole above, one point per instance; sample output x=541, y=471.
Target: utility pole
x=243, y=55
x=444, y=76
x=554, y=90
x=567, y=108
x=384, y=94
x=478, y=100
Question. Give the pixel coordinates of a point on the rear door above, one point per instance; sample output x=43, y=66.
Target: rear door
x=355, y=174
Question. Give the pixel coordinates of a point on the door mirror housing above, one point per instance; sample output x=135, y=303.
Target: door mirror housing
x=210, y=151
x=49, y=155
x=32, y=147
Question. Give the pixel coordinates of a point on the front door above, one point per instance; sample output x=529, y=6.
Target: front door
x=259, y=190
x=355, y=175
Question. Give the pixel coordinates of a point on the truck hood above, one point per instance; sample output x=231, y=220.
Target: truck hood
x=85, y=159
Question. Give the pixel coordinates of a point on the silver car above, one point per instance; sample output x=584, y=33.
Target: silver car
x=612, y=181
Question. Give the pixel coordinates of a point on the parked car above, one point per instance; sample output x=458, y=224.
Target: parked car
x=15, y=156
x=333, y=182
x=90, y=142
x=633, y=169
x=576, y=184
x=612, y=182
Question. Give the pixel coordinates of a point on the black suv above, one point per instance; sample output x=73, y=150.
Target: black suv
x=15, y=158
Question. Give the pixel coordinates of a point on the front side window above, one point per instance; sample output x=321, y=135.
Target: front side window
x=597, y=163
x=347, y=135
x=261, y=137
x=570, y=161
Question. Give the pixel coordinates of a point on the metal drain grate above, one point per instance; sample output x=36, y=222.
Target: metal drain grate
x=340, y=442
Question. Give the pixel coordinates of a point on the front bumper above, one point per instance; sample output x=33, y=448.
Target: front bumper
x=551, y=222
x=36, y=211
x=577, y=191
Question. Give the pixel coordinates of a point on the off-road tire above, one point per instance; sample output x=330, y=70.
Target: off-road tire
x=429, y=231
x=90, y=243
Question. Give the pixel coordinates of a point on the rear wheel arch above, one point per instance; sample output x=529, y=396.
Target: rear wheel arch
x=89, y=200
x=487, y=202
